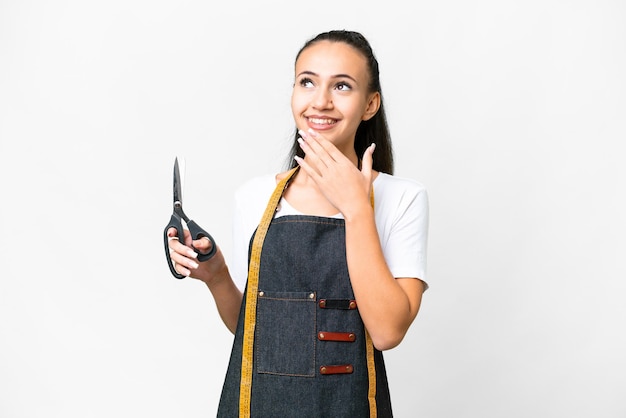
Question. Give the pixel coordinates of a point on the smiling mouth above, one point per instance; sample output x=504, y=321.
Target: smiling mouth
x=322, y=121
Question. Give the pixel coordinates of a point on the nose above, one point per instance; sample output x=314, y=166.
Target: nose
x=322, y=99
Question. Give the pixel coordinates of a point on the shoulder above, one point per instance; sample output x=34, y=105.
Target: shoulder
x=258, y=186
x=388, y=186
x=399, y=198
x=250, y=200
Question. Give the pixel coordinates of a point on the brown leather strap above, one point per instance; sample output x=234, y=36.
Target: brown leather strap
x=337, y=304
x=338, y=369
x=336, y=336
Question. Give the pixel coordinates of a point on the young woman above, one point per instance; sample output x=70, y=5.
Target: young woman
x=332, y=253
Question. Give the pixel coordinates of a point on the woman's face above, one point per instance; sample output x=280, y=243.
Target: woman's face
x=330, y=93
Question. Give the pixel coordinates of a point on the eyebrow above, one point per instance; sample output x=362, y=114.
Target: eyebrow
x=334, y=76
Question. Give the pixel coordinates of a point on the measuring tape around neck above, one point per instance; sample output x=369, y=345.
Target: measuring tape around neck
x=245, y=387
x=247, y=354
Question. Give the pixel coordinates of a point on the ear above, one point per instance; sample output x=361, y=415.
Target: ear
x=372, y=107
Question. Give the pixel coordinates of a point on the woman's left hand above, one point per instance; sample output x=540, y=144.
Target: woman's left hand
x=342, y=183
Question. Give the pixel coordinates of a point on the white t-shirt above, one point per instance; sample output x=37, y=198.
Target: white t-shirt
x=400, y=209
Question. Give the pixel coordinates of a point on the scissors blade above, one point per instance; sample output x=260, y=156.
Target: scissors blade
x=178, y=182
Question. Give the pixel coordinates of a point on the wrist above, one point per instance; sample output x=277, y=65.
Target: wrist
x=217, y=278
x=359, y=214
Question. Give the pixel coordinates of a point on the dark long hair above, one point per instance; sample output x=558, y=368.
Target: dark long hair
x=375, y=130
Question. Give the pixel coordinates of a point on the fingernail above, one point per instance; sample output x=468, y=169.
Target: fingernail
x=373, y=146
x=300, y=141
x=312, y=132
x=298, y=159
x=301, y=133
x=192, y=254
x=194, y=265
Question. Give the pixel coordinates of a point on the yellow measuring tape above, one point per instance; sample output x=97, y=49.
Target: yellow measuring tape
x=245, y=386
x=371, y=367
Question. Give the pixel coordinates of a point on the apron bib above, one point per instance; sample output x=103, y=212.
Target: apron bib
x=300, y=348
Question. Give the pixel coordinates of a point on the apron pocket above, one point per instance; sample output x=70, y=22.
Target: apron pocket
x=285, y=333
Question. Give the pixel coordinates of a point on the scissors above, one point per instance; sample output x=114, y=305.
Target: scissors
x=176, y=221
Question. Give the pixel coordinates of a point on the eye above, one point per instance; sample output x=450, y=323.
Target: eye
x=343, y=86
x=306, y=82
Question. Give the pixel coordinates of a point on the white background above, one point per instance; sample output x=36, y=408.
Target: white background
x=512, y=113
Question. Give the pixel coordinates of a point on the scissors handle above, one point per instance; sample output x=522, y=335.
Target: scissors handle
x=196, y=233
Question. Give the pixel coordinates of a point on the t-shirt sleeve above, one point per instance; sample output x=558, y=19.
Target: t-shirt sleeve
x=249, y=203
x=405, y=230
x=239, y=259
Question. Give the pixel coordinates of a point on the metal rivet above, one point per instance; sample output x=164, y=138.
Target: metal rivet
x=321, y=335
x=323, y=370
x=261, y=293
x=351, y=337
x=323, y=303
x=312, y=296
x=352, y=304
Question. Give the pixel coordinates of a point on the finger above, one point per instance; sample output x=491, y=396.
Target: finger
x=184, y=264
x=182, y=270
x=324, y=147
x=172, y=233
x=368, y=161
x=314, y=159
x=311, y=144
x=179, y=248
x=311, y=172
x=203, y=245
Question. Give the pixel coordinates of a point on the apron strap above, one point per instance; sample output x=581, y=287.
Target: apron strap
x=245, y=387
x=371, y=366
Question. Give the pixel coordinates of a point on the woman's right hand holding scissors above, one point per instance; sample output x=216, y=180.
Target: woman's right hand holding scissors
x=186, y=258
x=213, y=272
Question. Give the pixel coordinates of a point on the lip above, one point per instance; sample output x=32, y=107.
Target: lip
x=320, y=123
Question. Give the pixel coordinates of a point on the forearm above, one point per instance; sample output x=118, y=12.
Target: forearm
x=227, y=299
x=387, y=307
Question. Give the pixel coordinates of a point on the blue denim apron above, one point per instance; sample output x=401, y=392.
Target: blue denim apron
x=309, y=340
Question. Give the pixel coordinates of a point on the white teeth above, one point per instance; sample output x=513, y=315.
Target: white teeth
x=322, y=121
